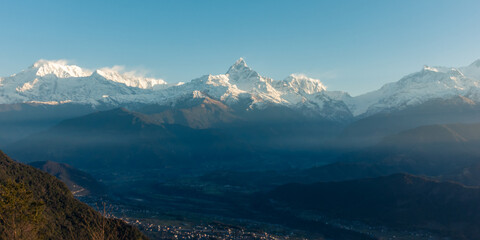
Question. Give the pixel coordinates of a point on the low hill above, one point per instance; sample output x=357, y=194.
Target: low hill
x=79, y=182
x=400, y=201
x=36, y=205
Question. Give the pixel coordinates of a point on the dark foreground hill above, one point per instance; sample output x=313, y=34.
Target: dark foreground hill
x=36, y=205
x=399, y=201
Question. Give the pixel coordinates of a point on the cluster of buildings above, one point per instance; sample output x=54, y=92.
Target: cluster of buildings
x=207, y=231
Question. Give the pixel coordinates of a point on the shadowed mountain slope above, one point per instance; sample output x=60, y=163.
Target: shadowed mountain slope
x=370, y=130
x=123, y=139
x=447, y=151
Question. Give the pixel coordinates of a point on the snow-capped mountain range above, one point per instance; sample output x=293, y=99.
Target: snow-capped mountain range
x=429, y=83
x=56, y=82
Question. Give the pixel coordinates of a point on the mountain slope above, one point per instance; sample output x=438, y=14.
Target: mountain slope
x=199, y=112
x=370, y=130
x=63, y=216
x=80, y=183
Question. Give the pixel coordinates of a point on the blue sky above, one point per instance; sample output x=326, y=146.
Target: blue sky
x=355, y=46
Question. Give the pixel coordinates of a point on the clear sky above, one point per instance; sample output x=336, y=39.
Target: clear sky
x=355, y=46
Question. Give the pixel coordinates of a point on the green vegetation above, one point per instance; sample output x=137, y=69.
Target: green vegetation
x=36, y=205
x=20, y=214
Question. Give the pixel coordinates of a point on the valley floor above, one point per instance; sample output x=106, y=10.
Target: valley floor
x=191, y=209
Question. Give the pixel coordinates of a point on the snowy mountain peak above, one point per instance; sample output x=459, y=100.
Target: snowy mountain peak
x=472, y=70
x=428, y=68
x=475, y=64
x=240, y=62
x=59, y=68
x=302, y=83
x=239, y=67
x=416, y=88
x=198, y=94
x=245, y=77
x=438, y=69
x=116, y=74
